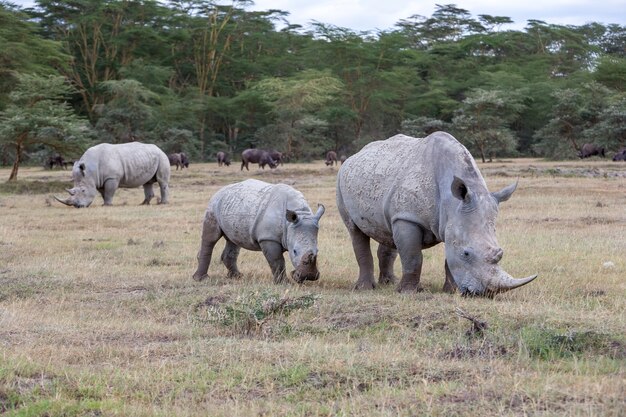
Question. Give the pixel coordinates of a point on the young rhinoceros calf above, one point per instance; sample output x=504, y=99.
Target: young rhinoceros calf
x=258, y=216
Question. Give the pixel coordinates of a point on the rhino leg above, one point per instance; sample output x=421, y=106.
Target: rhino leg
x=211, y=233
x=449, y=286
x=363, y=253
x=229, y=259
x=108, y=190
x=273, y=252
x=386, y=258
x=408, y=238
x=148, y=192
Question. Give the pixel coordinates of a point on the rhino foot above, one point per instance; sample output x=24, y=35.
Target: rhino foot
x=409, y=287
x=200, y=277
x=387, y=279
x=234, y=274
x=364, y=285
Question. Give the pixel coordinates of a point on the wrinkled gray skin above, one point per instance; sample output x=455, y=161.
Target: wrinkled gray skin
x=331, y=158
x=222, y=159
x=258, y=216
x=179, y=159
x=259, y=156
x=590, y=149
x=412, y=203
x=620, y=155
x=104, y=168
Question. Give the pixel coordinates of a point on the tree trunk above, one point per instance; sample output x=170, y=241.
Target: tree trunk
x=16, y=164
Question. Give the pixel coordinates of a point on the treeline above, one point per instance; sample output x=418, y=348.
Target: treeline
x=199, y=76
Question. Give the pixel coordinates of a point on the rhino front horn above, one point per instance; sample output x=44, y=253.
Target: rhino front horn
x=505, y=282
x=66, y=202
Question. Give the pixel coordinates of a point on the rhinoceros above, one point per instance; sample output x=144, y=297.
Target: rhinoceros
x=258, y=216
x=179, y=159
x=104, y=168
x=620, y=155
x=409, y=194
x=259, y=156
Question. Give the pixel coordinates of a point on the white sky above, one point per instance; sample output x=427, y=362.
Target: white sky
x=362, y=15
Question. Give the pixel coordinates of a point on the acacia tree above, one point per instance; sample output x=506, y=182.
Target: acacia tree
x=295, y=100
x=483, y=121
x=38, y=116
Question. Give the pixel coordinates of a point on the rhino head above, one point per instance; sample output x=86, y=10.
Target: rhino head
x=471, y=248
x=302, y=244
x=84, y=190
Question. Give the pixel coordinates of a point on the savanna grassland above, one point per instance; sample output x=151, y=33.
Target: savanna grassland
x=99, y=315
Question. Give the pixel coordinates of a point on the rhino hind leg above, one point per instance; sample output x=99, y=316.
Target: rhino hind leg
x=211, y=233
x=386, y=258
x=229, y=259
x=363, y=253
x=273, y=252
x=408, y=239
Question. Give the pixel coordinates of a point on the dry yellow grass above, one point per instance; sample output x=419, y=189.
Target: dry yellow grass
x=99, y=314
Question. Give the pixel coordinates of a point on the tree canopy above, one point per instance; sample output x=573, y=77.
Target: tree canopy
x=205, y=75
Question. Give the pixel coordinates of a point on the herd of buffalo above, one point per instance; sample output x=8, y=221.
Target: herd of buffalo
x=404, y=206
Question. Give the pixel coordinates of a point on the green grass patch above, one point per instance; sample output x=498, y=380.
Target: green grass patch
x=547, y=344
x=33, y=187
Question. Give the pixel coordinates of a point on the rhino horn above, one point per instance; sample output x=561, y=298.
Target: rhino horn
x=71, y=191
x=320, y=211
x=66, y=202
x=504, y=282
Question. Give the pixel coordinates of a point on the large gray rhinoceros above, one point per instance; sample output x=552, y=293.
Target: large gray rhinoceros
x=104, y=168
x=258, y=216
x=409, y=194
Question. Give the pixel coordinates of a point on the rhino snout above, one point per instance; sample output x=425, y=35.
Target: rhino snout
x=307, y=270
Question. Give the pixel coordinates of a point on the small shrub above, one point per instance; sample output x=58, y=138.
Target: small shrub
x=550, y=343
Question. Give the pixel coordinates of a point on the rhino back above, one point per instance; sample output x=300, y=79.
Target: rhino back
x=132, y=164
x=403, y=178
x=251, y=211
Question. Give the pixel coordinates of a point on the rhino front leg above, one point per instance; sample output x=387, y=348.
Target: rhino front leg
x=449, y=286
x=386, y=257
x=108, y=191
x=273, y=252
x=229, y=259
x=148, y=192
x=408, y=239
x=211, y=233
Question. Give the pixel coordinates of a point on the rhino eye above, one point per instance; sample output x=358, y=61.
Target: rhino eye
x=295, y=252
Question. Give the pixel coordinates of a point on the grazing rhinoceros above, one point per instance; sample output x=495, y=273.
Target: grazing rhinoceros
x=590, y=149
x=259, y=156
x=222, y=159
x=331, y=158
x=258, y=216
x=179, y=159
x=104, y=168
x=620, y=155
x=409, y=194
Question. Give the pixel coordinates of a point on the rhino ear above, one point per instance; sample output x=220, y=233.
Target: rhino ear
x=82, y=168
x=291, y=216
x=505, y=193
x=459, y=189
x=320, y=211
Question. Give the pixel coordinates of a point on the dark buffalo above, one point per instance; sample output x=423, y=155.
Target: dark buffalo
x=55, y=160
x=620, y=155
x=342, y=159
x=276, y=156
x=259, y=156
x=590, y=149
x=223, y=159
x=179, y=159
x=331, y=158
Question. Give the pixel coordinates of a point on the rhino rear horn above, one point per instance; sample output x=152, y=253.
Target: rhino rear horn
x=71, y=191
x=320, y=211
